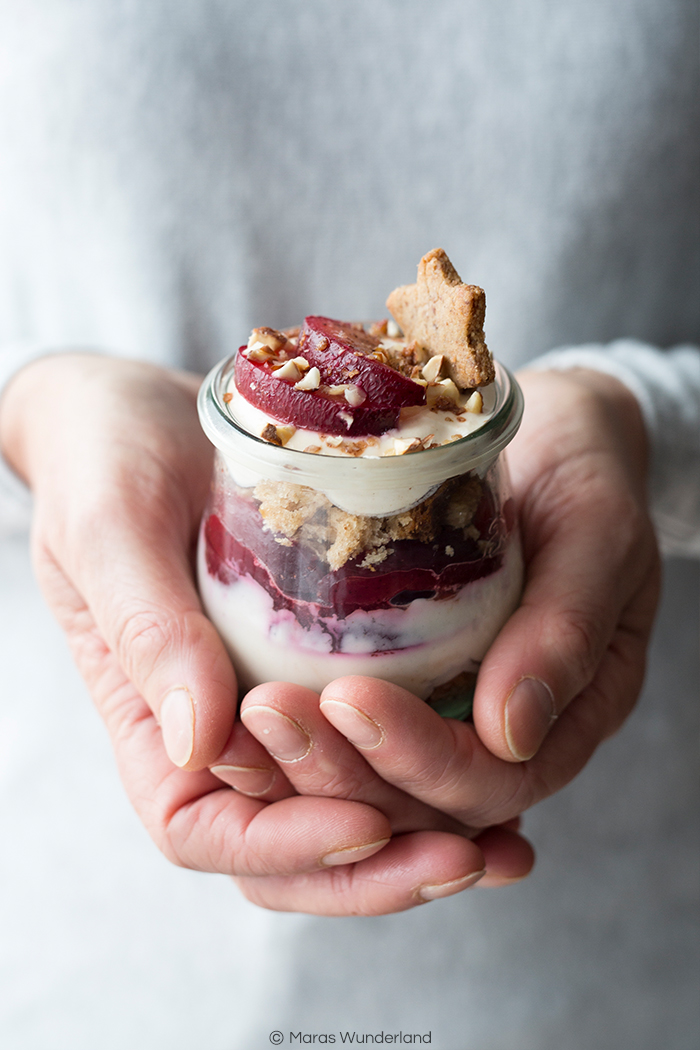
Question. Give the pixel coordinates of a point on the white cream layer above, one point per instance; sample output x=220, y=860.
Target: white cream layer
x=432, y=640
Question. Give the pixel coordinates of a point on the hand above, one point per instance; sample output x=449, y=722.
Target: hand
x=120, y=472
x=567, y=667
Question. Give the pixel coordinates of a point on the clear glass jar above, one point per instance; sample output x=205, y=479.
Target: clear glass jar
x=402, y=568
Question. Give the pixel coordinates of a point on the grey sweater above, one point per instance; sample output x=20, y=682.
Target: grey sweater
x=173, y=172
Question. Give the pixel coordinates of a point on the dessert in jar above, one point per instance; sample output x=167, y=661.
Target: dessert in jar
x=360, y=519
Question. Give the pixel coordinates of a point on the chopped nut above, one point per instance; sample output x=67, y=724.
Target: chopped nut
x=311, y=381
x=312, y=448
x=444, y=390
x=270, y=434
x=323, y=344
x=301, y=363
x=347, y=418
x=379, y=328
x=392, y=329
x=288, y=371
x=267, y=336
x=334, y=441
x=227, y=398
x=354, y=395
x=258, y=352
x=355, y=448
x=286, y=432
x=450, y=551
x=336, y=391
x=435, y=368
x=379, y=355
x=475, y=403
x=404, y=445
x=457, y=437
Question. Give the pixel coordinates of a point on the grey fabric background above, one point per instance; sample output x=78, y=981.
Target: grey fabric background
x=173, y=172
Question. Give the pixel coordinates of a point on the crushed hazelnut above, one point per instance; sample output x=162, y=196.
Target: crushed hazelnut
x=435, y=368
x=311, y=381
x=270, y=434
x=288, y=371
x=268, y=336
x=286, y=432
x=475, y=403
x=404, y=445
x=354, y=395
x=301, y=363
x=227, y=398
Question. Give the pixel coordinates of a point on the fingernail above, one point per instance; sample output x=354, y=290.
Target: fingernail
x=283, y=738
x=530, y=714
x=352, y=854
x=353, y=724
x=503, y=881
x=177, y=726
x=446, y=889
x=246, y=779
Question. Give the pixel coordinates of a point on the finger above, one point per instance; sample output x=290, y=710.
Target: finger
x=509, y=857
x=118, y=514
x=245, y=765
x=411, y=870
x=319, y=761
x=589, y=549
x=445, y=764
x=580, y=592
x=199, y=823
x=136, y=588
x=437, y=760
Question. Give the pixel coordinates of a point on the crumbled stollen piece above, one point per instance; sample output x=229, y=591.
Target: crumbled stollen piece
x=336, y=536
x=447, y=317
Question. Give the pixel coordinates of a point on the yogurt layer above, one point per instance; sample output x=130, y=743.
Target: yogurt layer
x=433, y=641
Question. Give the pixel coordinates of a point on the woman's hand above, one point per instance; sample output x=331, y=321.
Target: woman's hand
x=566, y=668
x=120, y=472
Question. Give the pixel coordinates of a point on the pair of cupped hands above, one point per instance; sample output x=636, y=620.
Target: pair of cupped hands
x=363, y=800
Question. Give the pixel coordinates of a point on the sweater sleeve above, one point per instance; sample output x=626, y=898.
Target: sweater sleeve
x=667, y=387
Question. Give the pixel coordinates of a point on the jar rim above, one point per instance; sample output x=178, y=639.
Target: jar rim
x=430, y=465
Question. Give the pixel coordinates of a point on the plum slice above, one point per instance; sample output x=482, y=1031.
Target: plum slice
x=341, y=352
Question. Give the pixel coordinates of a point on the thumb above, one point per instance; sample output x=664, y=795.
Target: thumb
x=587, y=595
x=135, y=581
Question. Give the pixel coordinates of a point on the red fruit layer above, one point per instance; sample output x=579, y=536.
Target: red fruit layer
x=339, y=352
x=299, y=581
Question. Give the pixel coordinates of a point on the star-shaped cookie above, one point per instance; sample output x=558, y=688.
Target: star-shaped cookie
x=446, y=317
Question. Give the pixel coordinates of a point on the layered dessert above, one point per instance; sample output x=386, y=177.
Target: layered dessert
x=360, y=520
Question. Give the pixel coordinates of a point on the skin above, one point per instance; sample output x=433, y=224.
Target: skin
x=366, y=802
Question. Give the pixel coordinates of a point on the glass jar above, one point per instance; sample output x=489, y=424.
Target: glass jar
x=403, y=568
